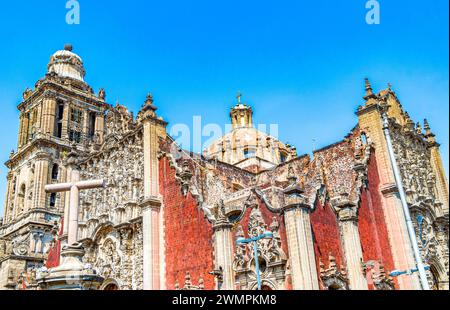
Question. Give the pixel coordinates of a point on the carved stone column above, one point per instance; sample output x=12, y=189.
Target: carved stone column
x=24, y=132
x=151, y=243
x=223, y=247
x=41, y=173
x=99, y=127
x=299, y=238
x=9, y=197
x=65, y=122
x=347, y=213
x=49, y=111
x=152, y=128
x=21, y=126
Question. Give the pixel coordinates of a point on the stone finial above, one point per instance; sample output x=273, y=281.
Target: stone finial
x=429, y=135
x=418, y=128
x=68, y=47
x=149, y=103
x=369, y=92
x=426, y=126
x=409, y=122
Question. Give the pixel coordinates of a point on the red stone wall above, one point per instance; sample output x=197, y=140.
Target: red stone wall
x=372, y=226
x=326, y=234
x=188, y=234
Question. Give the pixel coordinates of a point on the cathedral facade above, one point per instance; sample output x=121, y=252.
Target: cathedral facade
x=171, y=219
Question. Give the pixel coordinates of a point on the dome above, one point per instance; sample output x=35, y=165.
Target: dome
x=247, y=147
x=65, y=63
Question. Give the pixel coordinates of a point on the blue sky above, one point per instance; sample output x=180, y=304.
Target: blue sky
x=300, y=64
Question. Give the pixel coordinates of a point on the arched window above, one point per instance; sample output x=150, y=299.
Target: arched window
x=52, y=200
x=364, y=138
x=55, y=171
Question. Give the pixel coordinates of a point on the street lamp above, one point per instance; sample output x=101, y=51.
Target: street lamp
x=396, y=273
x=265, y=235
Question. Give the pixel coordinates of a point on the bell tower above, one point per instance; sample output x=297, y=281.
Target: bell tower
x=61, y=114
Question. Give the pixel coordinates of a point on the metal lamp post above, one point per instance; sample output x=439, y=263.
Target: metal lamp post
x=241, y=240
x=409, y=225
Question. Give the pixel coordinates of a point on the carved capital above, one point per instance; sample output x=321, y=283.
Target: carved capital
x=43, y=156
x=49, y=96
x=293, y=198
x=389, y=190
x=151, y=203
x=347, y=213
x=222, y=225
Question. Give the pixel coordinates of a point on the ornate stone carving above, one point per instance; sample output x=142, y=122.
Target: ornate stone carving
x=272, y=259
x=333, y=277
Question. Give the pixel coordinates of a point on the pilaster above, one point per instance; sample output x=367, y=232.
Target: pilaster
x=153, y=128
x=223, y=255
x=347, y=213
x=299, y=238
x=41, y=174
x=49, y=111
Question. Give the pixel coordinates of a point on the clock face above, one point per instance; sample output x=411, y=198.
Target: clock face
x=247, y=137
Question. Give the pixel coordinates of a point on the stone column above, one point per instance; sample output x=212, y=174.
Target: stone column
x=39, y=118
x=49, y=111
x=300, y=239
x=151, y=244
x=41, y=174
x=85, y=125
x=24, y=132
x=152, y=129
x=99, y=126
x=441, y=184
x=223, y=253
x=347, y=213
x=9, y=191
x=20, y=135
x=65, y=122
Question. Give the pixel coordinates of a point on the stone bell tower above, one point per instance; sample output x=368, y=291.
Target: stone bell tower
x=61, y=114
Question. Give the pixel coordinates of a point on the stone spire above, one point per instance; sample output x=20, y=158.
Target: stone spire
x=369, y=91
x=148, y=104
x=429, y=135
